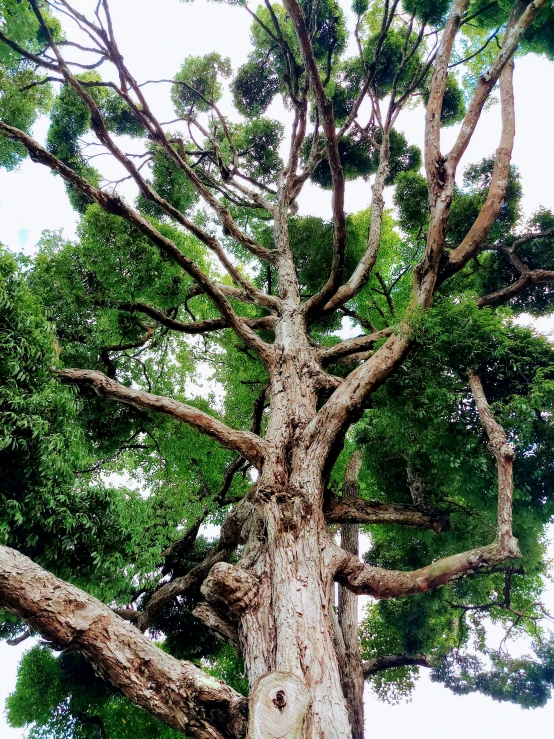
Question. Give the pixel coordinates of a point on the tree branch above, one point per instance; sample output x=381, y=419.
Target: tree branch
x=382, y=583
x=197, y=327
x=353, y=679
x=247, y=444
x=351, y=346
x=112, y=203
x=358, y=511
x=499, y=183
x=173, y=691
x=390, y=661
x=327, y=119
x=514, y=33
x=229, y=538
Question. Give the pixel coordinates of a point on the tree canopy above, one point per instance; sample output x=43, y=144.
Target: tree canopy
x=211, y=272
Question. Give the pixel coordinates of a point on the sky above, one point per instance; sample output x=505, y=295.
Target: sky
x=154, y=38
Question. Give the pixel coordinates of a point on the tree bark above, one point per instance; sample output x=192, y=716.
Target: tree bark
x=348, y=610
x=175, y=692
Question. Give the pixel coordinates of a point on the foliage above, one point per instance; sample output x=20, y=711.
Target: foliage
x=97, y=492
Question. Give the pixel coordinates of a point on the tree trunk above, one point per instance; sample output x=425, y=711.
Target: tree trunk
x=353, y=680
x=287, y=628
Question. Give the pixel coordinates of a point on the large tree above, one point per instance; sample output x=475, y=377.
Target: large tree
x=412, y=427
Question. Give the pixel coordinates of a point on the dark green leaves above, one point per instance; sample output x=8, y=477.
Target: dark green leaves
x=254, y=87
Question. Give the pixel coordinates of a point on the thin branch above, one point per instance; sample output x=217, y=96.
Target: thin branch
x=196, y=327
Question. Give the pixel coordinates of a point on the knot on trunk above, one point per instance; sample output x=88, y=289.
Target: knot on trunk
x=279, y=704
x=231, y=586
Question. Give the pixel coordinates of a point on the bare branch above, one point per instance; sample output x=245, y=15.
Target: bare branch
x=436, y=94
x=176, y=692
x=358, y=511
x=359, y=277
x=20, y=639
x=504, y=453
x=247, y=444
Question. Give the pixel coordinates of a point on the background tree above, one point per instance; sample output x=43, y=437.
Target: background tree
x=411, y=427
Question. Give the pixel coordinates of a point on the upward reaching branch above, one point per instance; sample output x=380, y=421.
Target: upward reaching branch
x=381, y=583
x=327, y=118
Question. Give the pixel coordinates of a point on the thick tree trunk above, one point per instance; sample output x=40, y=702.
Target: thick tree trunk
x=287, y=629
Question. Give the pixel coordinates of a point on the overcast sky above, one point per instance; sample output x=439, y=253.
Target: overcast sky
x=154, y=38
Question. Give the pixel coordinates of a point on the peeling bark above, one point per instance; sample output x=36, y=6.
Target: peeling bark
x=175, y=692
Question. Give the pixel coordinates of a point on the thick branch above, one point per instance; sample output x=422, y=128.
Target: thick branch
x=174, y=691
x=436, y=94
x=527, y=280
x=516, y=29
x=351, y=346
x=499, y=183
x=346, y=404
x=356, y=510
x=390, y=661
x=247, y=444
x=382, y=583
x=504, y=453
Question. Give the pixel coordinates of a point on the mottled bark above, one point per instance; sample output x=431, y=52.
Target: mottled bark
x=174, y=691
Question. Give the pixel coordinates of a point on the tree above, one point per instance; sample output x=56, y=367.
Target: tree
x=212, y=266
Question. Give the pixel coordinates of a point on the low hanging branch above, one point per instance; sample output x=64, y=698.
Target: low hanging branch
x=382, y=583
x=174, y=691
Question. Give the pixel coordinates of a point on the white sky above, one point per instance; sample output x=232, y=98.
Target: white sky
x=154, y=38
